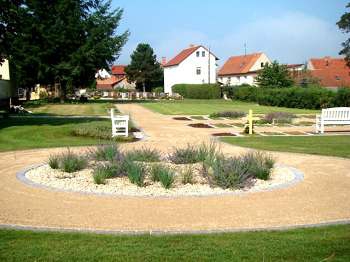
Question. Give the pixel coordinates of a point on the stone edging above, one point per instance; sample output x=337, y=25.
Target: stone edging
x=170, y=232
x=21, y=176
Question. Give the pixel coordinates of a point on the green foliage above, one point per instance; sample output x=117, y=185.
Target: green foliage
x=109, y=152
x=144, y=68
x=294, y=97
x=188, y=176
x=71, y=162
x=158, y=90
x=274, y=75
x=144, y=155
x=54, y=161
x=105, y=171
x=135, y=172
x=187, y=155
x=164, y=175
x=72, y=39
x=199, y=91
x=228, y=114
x=344, y=26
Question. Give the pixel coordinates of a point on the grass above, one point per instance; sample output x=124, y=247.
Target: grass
x=88, y=109
x=27, y=133
x=207, y=107
x=312, y=244
x=319, y=145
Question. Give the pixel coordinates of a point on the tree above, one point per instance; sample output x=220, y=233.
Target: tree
x=144, y=68
x=344, y=26
x=274, y=75
x=64, y=41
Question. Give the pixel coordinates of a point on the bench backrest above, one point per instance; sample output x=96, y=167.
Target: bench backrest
x=336, y=113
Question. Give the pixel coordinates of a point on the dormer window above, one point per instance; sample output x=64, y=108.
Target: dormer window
x=197, y=53
x=337, y=78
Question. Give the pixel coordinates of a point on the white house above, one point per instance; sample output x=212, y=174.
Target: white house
x=4, y=70
x=242, y=69
x=194, y=65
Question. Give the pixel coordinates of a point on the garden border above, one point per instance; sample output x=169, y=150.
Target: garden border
x=21, y=176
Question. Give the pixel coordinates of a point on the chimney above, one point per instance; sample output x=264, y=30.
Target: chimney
x=192, y=45
x=163, y=60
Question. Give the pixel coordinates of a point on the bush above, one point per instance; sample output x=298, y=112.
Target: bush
x=158, y=90
x=188, y=155
x=135, y=172
x=342, y=97
x=164, y=175
x=54, y=161
x=278, y=117
x=105, y=153
x=293, y=97
x=199, y=91
x=144, y=155
x=228, y=114
x=103, y=172
x=71, y=162
x=100, y=130
x=187, y=176
x=258, y=164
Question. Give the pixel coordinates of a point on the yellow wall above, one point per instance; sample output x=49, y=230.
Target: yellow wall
x=4, y=70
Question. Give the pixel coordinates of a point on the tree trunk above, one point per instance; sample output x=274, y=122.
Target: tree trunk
x=144, y=87
x=62, y=92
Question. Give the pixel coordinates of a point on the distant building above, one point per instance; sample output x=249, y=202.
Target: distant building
x=331, y=72
x=242, y=69
x=194, y=65
x=116, y=80
x=6, y=89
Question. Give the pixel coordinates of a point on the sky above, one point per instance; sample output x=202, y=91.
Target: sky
x=289, y=31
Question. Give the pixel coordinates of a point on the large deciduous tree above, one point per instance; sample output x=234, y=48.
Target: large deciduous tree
x=62, y=41
x=144, y=68
x=344, y=25
x=274, y=75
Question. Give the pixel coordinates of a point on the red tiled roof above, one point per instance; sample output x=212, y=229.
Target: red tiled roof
x=118, y=70
x=332, y=72
x=239, y=64
x=107, y=83
x=291, y=66
x=183, y=55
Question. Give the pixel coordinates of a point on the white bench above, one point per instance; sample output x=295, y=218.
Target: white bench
x=120, y=125
x=332, y=116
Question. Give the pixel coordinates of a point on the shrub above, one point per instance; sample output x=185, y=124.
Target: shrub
x=278, y=117
x=158, y=90
x=342, y=97
x=105, y=153
x=164, y=175
x=144, y=155
x=228, y=114
x=100, y=130
x=54, y=161
x=188, y=155
x=135, y=172
x=187, y=176
x=71, y=162
x=258, y=164
x=199, y=91
x=99, y=176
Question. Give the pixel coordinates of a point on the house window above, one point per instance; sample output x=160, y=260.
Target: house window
x=0, y=76
x=337, y=78
x=203, y=53
x=197, y=53
x=262, y=64
x=198, y=70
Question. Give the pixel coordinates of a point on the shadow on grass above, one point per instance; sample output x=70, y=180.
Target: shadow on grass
x=32, y=121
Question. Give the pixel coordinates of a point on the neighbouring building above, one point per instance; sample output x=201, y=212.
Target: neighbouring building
x=194, y=65
x=6, y=89
x=116, y=80
x=331, y=72
x=242, y=69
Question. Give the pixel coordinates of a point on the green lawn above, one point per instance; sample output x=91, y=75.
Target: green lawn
x=318, y=145
x=206, y=107
x=26, y=133
x=88, y=109
x=313, y=244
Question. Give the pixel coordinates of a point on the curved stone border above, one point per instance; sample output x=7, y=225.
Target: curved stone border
x=170, y=232
x=21, y=175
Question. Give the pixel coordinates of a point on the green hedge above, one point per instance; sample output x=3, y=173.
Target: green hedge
x=294, y=97
x=204, y=91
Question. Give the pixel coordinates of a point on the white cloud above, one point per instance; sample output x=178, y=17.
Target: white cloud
x=289, y=38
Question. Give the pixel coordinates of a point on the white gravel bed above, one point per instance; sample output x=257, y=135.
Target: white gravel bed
x=82, y=181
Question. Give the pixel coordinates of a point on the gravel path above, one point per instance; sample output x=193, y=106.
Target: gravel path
x=323, y=196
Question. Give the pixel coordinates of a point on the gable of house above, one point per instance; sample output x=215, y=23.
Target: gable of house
x=239, y=65
x=118, y=70
x=331, y=72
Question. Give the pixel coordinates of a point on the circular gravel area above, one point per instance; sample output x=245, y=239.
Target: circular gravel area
x=82, y=182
